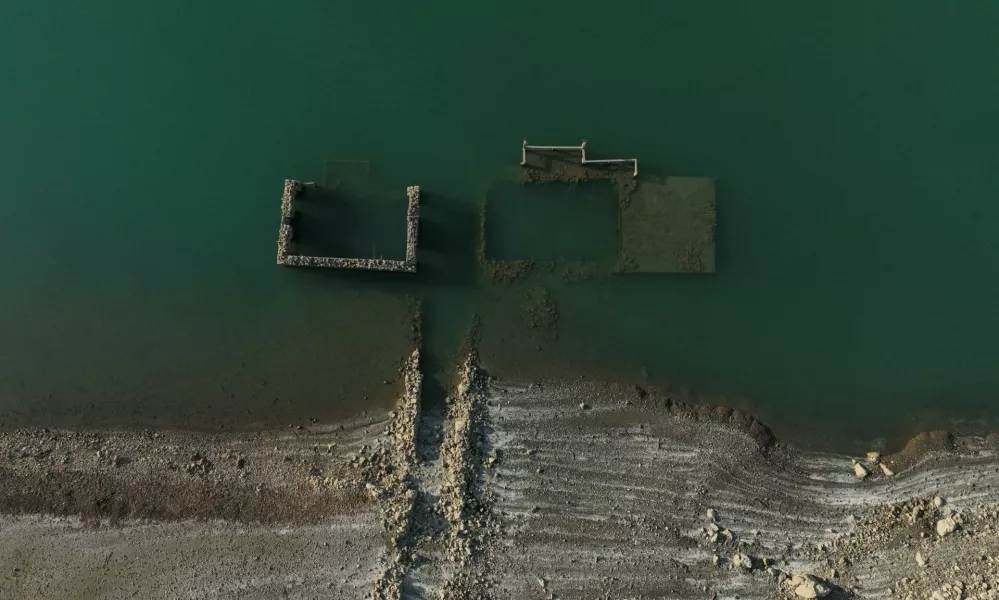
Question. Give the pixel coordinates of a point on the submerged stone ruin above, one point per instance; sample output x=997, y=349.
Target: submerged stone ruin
x=665, y=224
x=287, y=256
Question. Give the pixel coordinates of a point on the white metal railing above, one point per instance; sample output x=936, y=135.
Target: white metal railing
x=582, y=151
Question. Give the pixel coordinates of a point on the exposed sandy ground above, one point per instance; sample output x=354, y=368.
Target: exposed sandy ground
x=518, y=491
x=301, y=513
x=605, y=492
x=63, y=558
x=178, y=515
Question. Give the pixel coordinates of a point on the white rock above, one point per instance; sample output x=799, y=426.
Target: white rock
x=946, y=526
x=712, y=515
x=808, y=587
x=884, y=469
x=920, y=560
x=860, y=470
x=938, y=501
x=742, y=561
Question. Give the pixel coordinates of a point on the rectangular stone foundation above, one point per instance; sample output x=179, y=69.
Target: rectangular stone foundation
x=287, y=257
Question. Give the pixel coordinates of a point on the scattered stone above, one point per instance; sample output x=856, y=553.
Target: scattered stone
x=887, y=472
x=712, y=515
x=807, y=586
x=742, y=561
x=198, y=465
x=946, y=526
x=860, y=470
x=921, y=560
x=938, y=501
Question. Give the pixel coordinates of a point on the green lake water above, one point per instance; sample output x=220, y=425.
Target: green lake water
x=143, y=149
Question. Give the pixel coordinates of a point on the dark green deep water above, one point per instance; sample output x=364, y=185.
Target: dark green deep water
x=143, y=146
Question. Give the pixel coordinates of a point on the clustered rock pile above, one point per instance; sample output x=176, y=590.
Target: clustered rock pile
x=385, y=474
x=873, y=464
x=464, y=503
x=795, y=585
x=943, y=553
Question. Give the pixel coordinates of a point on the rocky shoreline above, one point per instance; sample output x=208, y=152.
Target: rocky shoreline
x=557, y=489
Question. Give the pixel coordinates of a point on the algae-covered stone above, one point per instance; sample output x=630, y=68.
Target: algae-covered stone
x=668, y=226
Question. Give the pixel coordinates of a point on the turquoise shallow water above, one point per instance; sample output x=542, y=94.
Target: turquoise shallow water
x=142, y=149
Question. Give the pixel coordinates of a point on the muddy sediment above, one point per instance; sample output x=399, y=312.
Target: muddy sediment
x=167, y=514
x=498, y=271
x=170, y=475
x=541, y=312
x=543, y=489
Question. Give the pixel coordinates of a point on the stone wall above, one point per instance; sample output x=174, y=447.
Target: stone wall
x=286, y=254
x=412, y=225
x=329, y=262
x=286, y=233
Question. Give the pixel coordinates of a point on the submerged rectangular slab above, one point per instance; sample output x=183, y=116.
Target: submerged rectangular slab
x=668, y=226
